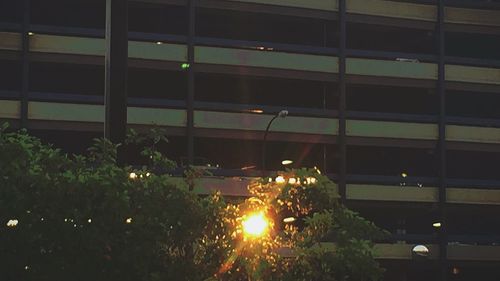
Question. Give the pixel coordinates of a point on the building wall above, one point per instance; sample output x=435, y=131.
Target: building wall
x=396, y=100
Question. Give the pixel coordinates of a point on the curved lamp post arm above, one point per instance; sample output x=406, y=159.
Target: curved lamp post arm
x=282, y=114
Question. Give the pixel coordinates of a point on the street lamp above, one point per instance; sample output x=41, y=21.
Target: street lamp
x=420, y=252
x=255, y=225
x=282, y=114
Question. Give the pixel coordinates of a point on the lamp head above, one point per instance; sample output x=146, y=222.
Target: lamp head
x=283, y=113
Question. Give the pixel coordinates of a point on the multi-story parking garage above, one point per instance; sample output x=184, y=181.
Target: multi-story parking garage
x=397, y=101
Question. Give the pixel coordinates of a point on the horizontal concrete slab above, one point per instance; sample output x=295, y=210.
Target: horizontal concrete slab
x=10, y=109
x=266, y=59
x=472, y=134
x=326, y=5
x=392, y=193
x=473, y=196
x=258, y=122
x=473, y=253
x=384, y=129
x=392, y=9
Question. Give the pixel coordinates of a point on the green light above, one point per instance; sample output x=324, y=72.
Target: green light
x=185, y=65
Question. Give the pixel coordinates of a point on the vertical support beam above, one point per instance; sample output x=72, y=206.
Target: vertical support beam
x=342, y=102
x=190, y=81
x=116, y=71
x=443, y=239
x=25, y=64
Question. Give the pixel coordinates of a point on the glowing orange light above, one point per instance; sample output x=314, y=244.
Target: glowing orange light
x=256, y=110
x=255, y=225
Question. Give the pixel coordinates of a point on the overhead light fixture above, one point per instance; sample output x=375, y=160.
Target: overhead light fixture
x=279, y=179
x=12, y=223
x=286, y=162
x=283, y=113
x=436, y=224
x=420, y=251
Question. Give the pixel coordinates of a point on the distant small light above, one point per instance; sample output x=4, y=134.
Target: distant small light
x=317, y=170
x=185, y=65
x=279, y=179
x=286, y=162
x=246, y=167
x=12, y=223
x=42, y=219
x=404, y=175
x=28, y=212
x=289, y=220
x=89, y=220
x=159, y=43
x=148, y=174
x=31, y=33
x=455, y=270
x=292, y=181
x=311, y=180
x=74, y=225
x=132, y=175
x=128, y=221
x=436, y=224
x=260, y=48
x=27, y=268
x=65, y=220
x=256, y=110
x=420, y=185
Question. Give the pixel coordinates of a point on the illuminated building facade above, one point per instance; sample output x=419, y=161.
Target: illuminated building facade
x=397, y=101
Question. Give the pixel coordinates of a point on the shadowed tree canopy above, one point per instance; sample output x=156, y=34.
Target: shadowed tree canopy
x=83, y=217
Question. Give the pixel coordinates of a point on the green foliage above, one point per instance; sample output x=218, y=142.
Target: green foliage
x=72, y=214
x=323, y=241
x=83, y=217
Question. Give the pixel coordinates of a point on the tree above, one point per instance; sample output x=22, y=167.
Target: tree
x=312, y=236
x=83, y=217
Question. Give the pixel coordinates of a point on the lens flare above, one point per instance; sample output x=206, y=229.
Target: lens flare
x=255, y=225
